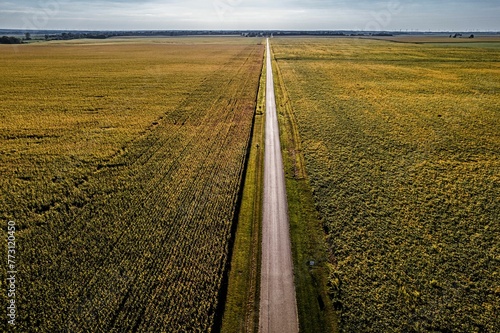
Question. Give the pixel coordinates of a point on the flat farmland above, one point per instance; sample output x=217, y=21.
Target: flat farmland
x=401, y=144
x=121, y=164
x=429, y=39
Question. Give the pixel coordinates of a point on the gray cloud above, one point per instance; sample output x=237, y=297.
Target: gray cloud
x=251, y=14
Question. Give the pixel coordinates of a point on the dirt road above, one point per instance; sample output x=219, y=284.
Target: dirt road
x=278, y=307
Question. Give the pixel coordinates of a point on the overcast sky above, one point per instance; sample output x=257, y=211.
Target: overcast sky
x=420, y=15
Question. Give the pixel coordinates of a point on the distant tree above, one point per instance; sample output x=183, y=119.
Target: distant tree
x=471, y=36
x=28, y=36
x=97, y=36
x=10, y=40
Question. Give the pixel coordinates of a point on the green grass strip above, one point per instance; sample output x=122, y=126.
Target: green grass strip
x=242, y=304
x=309, y=249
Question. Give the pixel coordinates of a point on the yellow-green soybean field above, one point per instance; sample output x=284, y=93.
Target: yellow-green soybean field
x=401, y=144
x=121, y=164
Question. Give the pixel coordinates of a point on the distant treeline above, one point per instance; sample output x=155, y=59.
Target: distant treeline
x=107, y=34
x=59, y=35
x=76, y=35
x=10, y=40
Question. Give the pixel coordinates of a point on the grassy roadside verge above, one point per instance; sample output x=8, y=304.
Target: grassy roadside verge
x=315, y=310
x=242, y=304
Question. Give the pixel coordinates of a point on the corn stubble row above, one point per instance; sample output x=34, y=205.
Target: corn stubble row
x=147, y=248
x=401, y=146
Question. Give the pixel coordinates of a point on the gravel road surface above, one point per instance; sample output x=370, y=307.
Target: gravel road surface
x=278, y=307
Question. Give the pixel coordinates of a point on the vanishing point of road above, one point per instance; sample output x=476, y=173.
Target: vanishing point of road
x=278, y=306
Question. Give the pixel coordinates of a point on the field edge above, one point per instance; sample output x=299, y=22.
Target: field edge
x=241, y=313
x=316, y=313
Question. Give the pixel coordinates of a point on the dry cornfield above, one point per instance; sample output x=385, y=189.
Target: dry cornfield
x=121, y=165
x=401, y=145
